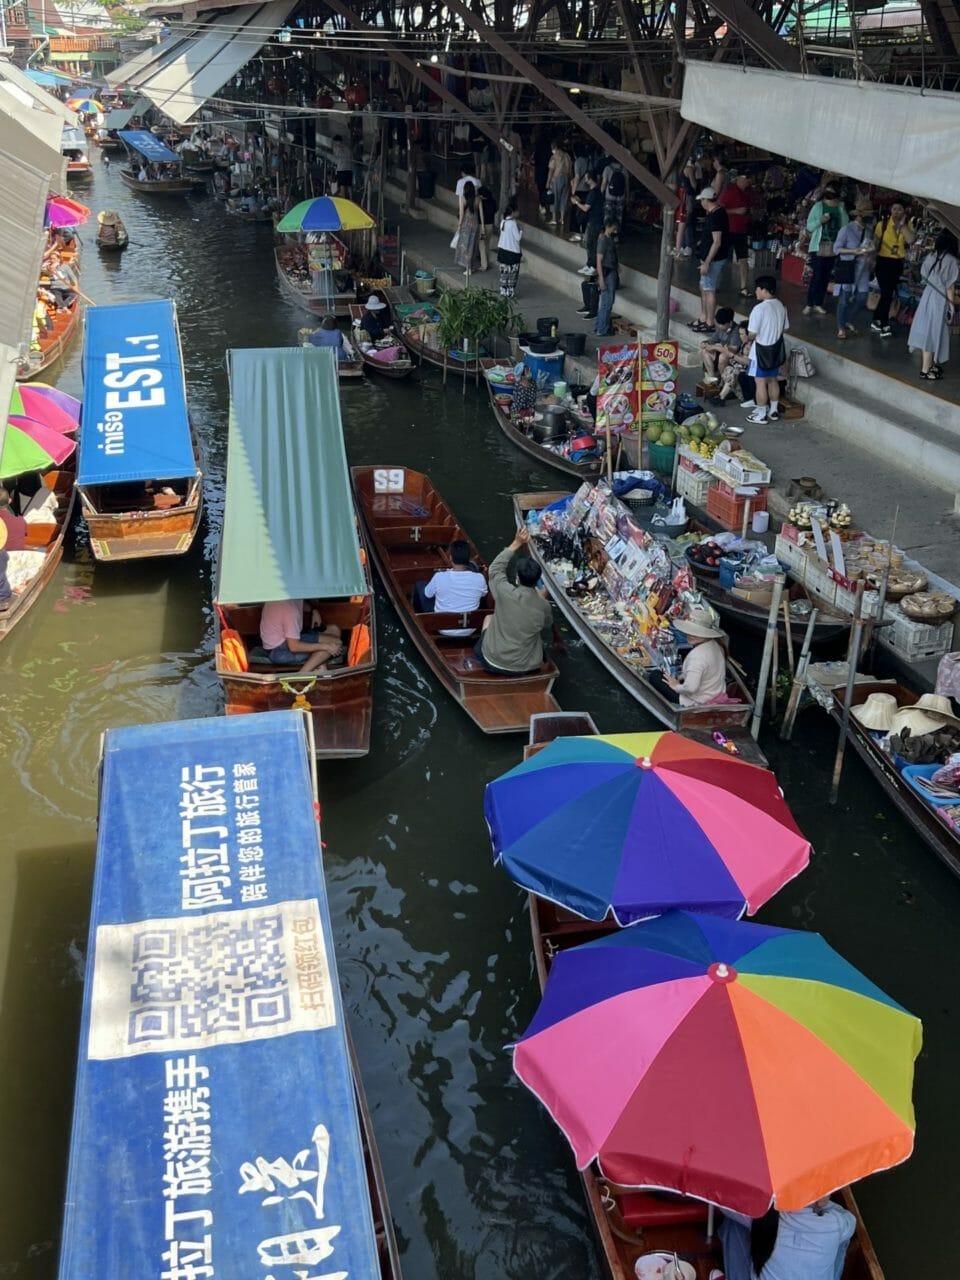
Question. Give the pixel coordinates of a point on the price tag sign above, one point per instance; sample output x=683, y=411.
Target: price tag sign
x=817, y=530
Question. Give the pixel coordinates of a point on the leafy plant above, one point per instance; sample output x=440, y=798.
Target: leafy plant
x=469, y=315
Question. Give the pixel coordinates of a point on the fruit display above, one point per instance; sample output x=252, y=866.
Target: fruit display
x=901, y=582
x=705, y=556
x=931, y=607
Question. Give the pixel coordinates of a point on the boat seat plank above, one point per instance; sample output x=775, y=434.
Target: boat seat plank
x=508, y=713
x=418, y=533
x=434, y=622
x=652, y=1209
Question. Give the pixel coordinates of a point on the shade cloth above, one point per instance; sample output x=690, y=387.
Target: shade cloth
x=26, y=82
x=215, y=1112
x=21, y=245
x=32, y=137
x=289, y=528
x=120, y=117
x=904, y=138
x=134, y=424
x=149, y=146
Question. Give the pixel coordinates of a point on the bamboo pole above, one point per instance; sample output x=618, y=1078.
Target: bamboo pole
x=775, y=669
x=765, y=660
x=852, y=655
x=789, y=636
x=799, y=680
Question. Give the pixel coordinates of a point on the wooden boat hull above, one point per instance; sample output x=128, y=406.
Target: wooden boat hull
x=53, y=346
x=337, y=304
x=830, y=625
x=942, y=840
x=583, y=470
x=18, y=607
x=396, y=369
x=159, y=186
x=389, y=1254
x=349, y=370
x=728, y=716
x=440, y=359
x=142, y=535
x=403, y=547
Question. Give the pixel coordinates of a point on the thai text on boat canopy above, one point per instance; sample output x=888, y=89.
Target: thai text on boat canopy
x=149, y=146
x=134, y=423
x=215, y=1128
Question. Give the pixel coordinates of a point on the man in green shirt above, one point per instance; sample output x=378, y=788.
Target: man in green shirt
x=513, y=639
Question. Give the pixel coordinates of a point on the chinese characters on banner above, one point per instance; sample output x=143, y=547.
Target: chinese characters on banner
x=617, y=393
x=658, y=382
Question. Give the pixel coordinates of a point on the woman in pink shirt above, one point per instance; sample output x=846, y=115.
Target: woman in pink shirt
x=287, y=644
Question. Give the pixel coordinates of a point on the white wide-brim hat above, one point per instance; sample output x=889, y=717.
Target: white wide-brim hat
x=373, y=303
x=877, y=711
x=928, y=714
x=700, y=623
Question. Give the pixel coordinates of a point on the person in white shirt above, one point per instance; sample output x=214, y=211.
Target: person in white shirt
x=508, y=250
x=466, y=179
x=767, y=323
x=458, y=589
x=703, y=676
x=288, y=644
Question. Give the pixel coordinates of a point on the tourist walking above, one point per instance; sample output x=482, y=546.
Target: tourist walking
x=608, y=276
x=851, y=270
x=508, y=250
x=930, y=330
x=713, y=248
x=767, y=323
x=559, y=173
x=893, y=234
x=468, y=231
x=823, y=222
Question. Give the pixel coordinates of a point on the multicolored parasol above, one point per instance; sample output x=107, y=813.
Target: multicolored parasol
x=47, y=405
x=325, y=213
x=54, y=444
x=61, y=211
x=638, y=823
x=84, y=104
x=741, y=1064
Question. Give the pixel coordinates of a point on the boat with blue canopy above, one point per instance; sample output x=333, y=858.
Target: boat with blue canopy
x=139, y=477
x=218, y=1125
x=291, y=535
x=153, y=168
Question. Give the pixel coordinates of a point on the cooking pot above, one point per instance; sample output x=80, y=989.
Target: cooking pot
x=541, y=346
x=575, y=344
x=554, y=425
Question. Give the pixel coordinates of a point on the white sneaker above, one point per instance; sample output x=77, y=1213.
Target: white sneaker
x=716, y=1274
x=819, y=311
x=758, y=415
x=686, y=253
x=808, y=311
x=574, y=239
x=748, y=404
x=586, y=271
x=773, y=417
x=710, y=379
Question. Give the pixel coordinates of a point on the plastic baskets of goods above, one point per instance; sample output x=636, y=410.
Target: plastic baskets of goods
x=931, y=607
x=903, y=582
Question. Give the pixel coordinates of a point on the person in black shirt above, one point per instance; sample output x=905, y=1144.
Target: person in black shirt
x=591, y=202
x=608, y=271
x=713, y=248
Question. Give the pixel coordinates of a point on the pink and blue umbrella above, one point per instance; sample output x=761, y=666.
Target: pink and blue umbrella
x=45, y=404
x=639, y=823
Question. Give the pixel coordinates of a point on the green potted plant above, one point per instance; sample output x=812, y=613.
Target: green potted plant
x=469, y=315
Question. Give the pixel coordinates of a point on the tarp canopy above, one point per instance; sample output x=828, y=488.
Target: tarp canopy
x=22, y=209
x=120, y=117
x=904, y=139
x=25, y=82
x=128, y=71
x=204, y=58
x=48, y=79
x=8, y=381
x=214, y=1114
x=289, y=528
x=149, y=146
x=134, y=424
x=33, y=137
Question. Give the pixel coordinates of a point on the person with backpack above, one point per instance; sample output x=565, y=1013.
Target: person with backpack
x=613, y=188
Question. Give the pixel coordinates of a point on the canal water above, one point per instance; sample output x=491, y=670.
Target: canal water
x=432, y=943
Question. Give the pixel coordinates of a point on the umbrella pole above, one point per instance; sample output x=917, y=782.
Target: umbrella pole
x=711, y=1221
x=772, y=617
x=852, y=655
x=799, y=679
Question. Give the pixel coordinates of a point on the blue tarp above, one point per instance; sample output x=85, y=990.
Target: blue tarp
x=134, y=423
x=149, y=146
x=215, y=1129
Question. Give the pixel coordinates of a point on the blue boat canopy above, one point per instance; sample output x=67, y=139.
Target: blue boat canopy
x=149, y=146
x=134, y=423
x=215, y=1127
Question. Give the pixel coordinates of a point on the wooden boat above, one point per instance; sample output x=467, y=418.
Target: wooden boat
x=293, y=522
x=397, y=369
x=293, y=271
x=589, y=470
x=157, y=186
x=53, y=344
x=261, y=971
x=409, y=528
x=197, y=161
x=414, y=340
x=831, y=624
x=76, y=148
x=922, y=817
x=725, y=716
x=630, y=1222
x=245, y=215
x=349, y=369
x=111, y=233
x=41, y=538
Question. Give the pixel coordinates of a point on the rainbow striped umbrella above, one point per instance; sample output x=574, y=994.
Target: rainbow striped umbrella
x=636, y=823
x=46, y=404
x=738, y=1063
x=85, y=105
x=325, y=213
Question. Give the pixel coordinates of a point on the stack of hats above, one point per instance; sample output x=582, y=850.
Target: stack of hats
x=931, y=712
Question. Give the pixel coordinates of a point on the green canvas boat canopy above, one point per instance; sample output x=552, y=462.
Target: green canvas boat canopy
x=289, y=528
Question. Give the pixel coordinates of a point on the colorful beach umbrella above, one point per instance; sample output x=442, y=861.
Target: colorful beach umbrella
x=84, y=104
x=57, y=446
x=638, y=823
x=741, y=1064
x=63, y=212
x=47, y=405
x=21, y=452
x=325, y=213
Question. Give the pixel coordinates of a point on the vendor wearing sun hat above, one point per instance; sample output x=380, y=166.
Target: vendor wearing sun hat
x=703, y=676
x=372, y=320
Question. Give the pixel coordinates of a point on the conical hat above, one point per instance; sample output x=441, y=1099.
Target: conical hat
x=108, y=217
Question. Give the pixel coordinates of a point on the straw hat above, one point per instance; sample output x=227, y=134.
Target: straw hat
x=877, y=712
x=863, y=209
x=108, y=217
x=373, y=303
x=929, y=713
x=701, y=624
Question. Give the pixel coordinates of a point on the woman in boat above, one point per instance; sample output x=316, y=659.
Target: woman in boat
x=703, y=676
x=524, y=397
x=468, y=232
x=514, y=639
x=372, y=320
x=329, y=335
x=810, y=1244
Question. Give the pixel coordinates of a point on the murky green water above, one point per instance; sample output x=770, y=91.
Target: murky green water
x=433, y=945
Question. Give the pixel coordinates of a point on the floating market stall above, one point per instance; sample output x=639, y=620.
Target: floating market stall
x=316, y=272
x=163, y=167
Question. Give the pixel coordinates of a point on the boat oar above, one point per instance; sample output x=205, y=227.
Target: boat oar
x=772, y=617
x=799, y=679
x=852, y=655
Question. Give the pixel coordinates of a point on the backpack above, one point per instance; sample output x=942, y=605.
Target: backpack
x=617, y=186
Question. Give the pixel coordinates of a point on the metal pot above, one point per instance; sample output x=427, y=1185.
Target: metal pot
x=554, y=426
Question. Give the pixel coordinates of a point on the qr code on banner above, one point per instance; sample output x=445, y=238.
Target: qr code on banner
x=191, y=982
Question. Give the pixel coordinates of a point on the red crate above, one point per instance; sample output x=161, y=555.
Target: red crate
x=729, y=511
x=730, y=490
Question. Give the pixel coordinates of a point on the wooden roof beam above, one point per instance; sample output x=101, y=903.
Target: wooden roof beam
x=761, y=38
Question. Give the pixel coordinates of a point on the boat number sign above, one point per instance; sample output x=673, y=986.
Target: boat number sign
x=388, y=480
x=132, y=380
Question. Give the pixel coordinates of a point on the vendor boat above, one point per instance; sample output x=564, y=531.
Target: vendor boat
x=409, y=528
x=32, y=564
x=53, y=344
x=302, y=281
x=349, y=365
x=111, y=233
x=831, y=623
x=293, y=536
x=197, y=161
x=629, y=1221
x=926, y=819
x=141, y=490
x=500, y=403
x=399, y=367
x=144, y=148
x=414, y=321
x=76, y=148
x=729, y=715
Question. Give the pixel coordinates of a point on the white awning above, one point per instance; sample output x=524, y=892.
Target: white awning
x=32, y=137
x=9, y=357
x=887, y=135
x=143, y=62
x=203, y=61
x=23, y=88
x=25, y=191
